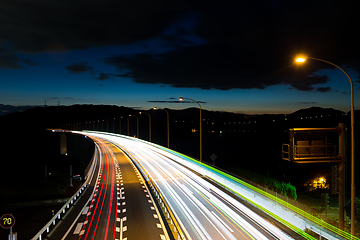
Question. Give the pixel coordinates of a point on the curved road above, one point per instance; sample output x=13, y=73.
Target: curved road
x=203, y=210
x=119, y=206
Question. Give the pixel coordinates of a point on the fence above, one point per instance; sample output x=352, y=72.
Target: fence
x=57, y=217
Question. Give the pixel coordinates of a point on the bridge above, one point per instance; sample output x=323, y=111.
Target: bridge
x=135, y=189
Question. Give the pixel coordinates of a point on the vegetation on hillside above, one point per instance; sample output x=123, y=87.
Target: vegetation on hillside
x=273, y=184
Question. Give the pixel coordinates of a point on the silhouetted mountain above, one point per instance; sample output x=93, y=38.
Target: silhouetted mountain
x=317, y=111
x=6, y=109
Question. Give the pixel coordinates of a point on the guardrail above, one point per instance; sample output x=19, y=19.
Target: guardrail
x=57, y=217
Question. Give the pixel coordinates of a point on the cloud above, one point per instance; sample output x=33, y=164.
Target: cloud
x=35, y=26
x=9, y=60
x=307, y=84
x=232, y=44
x=307, y=103
x=323, y=89
x=104, y=76
x=209, y=67
x=250, y=46
x=202, y=66
x=29, y=62
x=79, y=67
x=174, y=101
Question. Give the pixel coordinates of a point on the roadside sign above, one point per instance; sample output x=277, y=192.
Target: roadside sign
x=7, y=221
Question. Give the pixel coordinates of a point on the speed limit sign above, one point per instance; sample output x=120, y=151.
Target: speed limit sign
x=7, y=221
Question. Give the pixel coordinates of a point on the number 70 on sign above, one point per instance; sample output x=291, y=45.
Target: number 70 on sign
x=7, y=221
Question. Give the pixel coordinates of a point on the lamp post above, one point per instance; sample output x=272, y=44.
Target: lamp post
x=168, y=128
x=127, y=125
x=303, y=59
x=137, y=125
x=182, y=98
x=149, y=124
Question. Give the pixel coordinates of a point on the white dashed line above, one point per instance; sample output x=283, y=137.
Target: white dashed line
x=78, y=228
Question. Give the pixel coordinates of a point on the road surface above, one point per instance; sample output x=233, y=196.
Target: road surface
x=118, y=207
x=203, y=210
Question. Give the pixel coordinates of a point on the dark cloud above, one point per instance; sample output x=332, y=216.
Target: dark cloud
x=34, y=26
x=104, y=76
x=307, y=102
x=252, y=45
x=203, y=66
x=306, y=84
x=323, y=89
x=209, y=67
x=175, y=101
x=9, y=60
x=245, y=44
x=79, y=68
x=29, y=62
x=169, y=101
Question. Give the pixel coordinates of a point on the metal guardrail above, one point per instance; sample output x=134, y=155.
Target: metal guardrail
x=57, y=217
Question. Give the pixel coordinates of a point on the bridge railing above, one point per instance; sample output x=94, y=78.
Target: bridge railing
x=57, y=217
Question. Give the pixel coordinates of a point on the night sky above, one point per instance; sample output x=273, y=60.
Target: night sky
x=233, y=56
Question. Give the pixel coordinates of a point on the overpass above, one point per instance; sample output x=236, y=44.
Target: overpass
x=197, y=201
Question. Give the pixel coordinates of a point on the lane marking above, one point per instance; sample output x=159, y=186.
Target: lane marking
x=85, y=210
x=78, y=228
x=227, y=226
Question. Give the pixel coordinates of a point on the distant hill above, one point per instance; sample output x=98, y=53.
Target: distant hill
x=6, y=109
x=313, y=111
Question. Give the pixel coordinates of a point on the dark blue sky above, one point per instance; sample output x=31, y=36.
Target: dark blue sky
x=232, y=55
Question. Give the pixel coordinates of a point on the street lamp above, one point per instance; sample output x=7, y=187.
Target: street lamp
x=137, y=125
x=182, y=98
x=168, y=128
x=149, y=125
x=127, y=125
x=119, y=125
x=303, y=59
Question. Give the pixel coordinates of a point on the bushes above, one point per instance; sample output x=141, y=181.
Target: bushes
x=273, y=184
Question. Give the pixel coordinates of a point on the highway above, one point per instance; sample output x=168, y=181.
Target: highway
x=119, y=205
x=203, y=210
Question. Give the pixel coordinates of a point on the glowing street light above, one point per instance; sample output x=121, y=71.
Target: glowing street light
x=127, y=125
x=137, y=125
x=182, y=98
x=302, y=59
